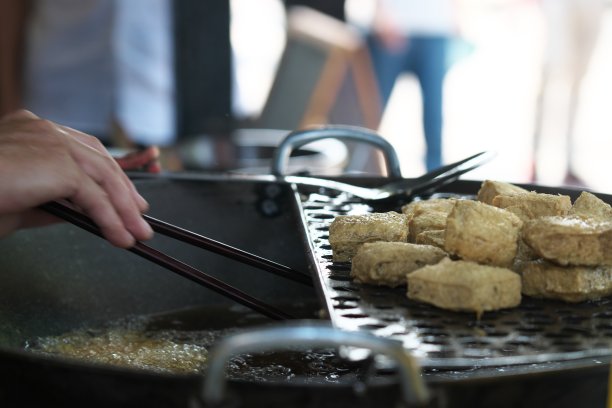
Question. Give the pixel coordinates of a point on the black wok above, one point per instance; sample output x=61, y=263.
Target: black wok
x=58, y=279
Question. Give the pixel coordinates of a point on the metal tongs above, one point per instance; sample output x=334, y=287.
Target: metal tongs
x=398, y=188
x=403, y=188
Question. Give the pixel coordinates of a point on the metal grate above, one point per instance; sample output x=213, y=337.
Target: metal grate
x=537, y=331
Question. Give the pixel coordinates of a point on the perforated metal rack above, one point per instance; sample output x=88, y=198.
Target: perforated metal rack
x=537, y=331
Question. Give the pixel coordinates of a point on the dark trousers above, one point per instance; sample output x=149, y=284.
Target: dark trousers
x=426, y=58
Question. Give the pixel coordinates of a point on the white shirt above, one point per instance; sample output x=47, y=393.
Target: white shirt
x=91, y=61
x=432, y=17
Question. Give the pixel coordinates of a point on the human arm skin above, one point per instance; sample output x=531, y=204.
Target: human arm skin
x=41, y=161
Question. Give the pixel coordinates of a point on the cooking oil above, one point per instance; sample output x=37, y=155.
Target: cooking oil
x=176, y=343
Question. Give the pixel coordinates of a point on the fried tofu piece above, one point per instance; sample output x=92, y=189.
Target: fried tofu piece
x=387, y=263
x=444, y=205
x=532, y=205
x=524, y=254
x=490, y=189
x=571, y=240
x=427, y=215
x=348, y=232
x=426, y=221
x=482, y=233
x=433, y=237
x=521, y=211
x=569, y=283
x=465, y=286
x=589, y=205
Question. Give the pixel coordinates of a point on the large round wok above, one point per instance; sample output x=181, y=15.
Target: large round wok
x=59, y=278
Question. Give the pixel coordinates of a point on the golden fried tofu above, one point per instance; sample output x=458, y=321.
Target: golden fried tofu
x=387, y=263
x=524, y=254
x=570, y=283
x=521, y=211
x=482, y=233
x=533, y=205
x=425, y=221
x=348, y=232
x=433, y=237
x=467, y=286
x=444, y=205
x=490, y=189
x=589, y=205
x=571, y=240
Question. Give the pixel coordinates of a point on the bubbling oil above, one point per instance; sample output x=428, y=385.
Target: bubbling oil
x=130, y=343
x=128, y=349
x=173, y=346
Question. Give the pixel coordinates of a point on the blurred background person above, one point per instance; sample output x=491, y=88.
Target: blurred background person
x=572, y=29
x=103, y=67
x=414, y=36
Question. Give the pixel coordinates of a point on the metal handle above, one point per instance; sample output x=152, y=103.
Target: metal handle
x=308, y=335
x=299, y=138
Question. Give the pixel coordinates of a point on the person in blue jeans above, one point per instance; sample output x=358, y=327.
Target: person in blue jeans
x=414, y=36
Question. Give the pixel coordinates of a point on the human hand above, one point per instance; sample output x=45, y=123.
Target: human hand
x=41, y=161
x=147, y=159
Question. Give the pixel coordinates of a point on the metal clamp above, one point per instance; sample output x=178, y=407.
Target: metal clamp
x=299, y=138
x=308, y=335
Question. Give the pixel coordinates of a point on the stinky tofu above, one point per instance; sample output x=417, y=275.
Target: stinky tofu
x=533, y=205
x=571, y=240
x=490, y=189
x=524, y=254
x=444, y=205
x=425, y=221
x=387, y=263
x=482, y=233
x=465, y=286
x=432, y=237
x=589, y=205
x=570, y=283
x=348, y=232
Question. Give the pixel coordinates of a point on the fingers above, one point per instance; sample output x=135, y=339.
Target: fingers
x=95, y=144
x=115, y=191
x=93, y=201
x=142, y=159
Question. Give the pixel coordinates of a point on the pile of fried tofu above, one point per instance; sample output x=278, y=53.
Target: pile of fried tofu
x=480, y=255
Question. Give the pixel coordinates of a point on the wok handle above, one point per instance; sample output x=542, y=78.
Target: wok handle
x=308, y=334
x=299, y=138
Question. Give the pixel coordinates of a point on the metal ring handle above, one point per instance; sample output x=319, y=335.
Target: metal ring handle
x=299, y=138
x=308, y=334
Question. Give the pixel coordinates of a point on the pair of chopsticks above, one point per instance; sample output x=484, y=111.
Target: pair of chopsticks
x=80, y=220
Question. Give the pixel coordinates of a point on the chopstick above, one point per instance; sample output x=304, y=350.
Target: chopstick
x=226, y=250
x=80, y=220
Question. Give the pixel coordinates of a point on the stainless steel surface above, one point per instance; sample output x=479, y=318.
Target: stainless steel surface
x=539, y=331
x=299, y=138
x=308, y=335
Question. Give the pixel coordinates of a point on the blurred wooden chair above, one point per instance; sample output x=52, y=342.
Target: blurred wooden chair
x=325, y=76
